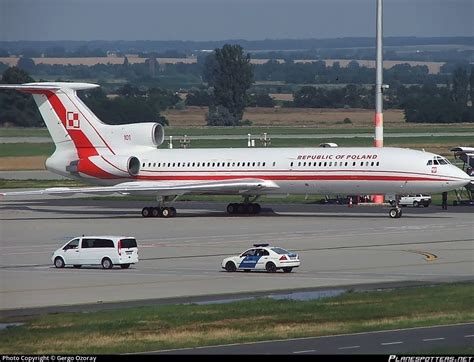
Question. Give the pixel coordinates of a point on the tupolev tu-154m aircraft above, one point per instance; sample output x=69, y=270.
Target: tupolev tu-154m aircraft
x=125, y=159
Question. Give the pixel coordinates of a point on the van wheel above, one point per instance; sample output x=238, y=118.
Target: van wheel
x=59, y=262
x=124, y=266
x=77, y=266
x=107, y=263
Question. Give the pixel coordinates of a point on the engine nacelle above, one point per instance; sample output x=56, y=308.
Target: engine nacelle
x=106, y=167
x=136, y=134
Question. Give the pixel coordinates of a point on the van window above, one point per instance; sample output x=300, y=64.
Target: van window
x=73, y=244
x=97, y=243
x=128, y=243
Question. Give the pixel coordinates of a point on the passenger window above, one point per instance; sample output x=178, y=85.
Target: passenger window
x=102, y=243
x=263, y=164
x=291, y=164
x=274, y=163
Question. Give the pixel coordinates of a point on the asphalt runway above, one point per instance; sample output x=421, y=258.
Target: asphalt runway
x=181, y=257
x=400, y=341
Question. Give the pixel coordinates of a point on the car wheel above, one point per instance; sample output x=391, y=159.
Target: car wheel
x=426, y=205
x=77, y=266
x=415, y=204
x=288, y=269
x=270, y=267
x=124, y=266
x=107, y=263
x=59, y=262
x=230, y=267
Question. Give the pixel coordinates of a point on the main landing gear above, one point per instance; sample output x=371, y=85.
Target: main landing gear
x=395, y=213
x=244, y=208
x=161, y=210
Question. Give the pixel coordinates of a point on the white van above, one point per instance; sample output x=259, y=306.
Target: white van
x=97, y=250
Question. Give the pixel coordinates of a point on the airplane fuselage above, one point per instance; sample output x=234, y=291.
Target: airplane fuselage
x=295, y=170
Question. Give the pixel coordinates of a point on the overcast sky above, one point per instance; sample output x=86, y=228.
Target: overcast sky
x=228, y=19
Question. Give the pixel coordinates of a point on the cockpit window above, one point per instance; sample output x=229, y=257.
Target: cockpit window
x=430, y=162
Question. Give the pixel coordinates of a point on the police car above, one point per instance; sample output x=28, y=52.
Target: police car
x=262, y=257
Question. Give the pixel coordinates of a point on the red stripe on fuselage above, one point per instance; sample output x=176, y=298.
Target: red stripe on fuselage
x=291, y=177
x=89, y=168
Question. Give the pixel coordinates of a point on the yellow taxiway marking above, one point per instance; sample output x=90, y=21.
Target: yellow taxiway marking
x=428, y=256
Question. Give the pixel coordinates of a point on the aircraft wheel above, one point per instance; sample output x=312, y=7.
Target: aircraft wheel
x=231, y=209
x=393, y=213
x=241, y=208
x=155, y=212
x=146, y=211
x=257, y=208
x=166, y=212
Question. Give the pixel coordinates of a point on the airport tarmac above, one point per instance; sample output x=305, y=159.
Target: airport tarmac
x=181, y=257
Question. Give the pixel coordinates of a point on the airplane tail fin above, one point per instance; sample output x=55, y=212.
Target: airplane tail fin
x=70, y=122
x=84, y=144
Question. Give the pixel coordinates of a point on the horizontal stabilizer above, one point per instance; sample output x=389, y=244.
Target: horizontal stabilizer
x=53, y=86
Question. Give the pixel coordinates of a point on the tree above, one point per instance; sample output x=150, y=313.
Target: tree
x=15, y=75
x=231, y=77
x=460, y=83
x=471, y=86
x=25, y=63
x=17, y=108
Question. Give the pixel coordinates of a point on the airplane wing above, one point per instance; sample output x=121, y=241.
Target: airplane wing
x=163, y=188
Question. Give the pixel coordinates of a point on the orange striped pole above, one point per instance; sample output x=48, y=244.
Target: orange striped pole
x=378, y=119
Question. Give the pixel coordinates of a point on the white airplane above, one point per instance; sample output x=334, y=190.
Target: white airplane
x=125, y=159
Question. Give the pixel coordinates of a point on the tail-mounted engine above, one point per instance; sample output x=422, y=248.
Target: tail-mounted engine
x=106, y=166
x=136, y=134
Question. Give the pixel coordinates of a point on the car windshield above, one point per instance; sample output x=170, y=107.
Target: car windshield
x=280, y=251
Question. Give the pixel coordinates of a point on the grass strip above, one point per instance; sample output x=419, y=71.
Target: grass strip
x=177, y=326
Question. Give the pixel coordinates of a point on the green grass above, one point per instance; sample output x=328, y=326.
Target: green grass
x=26, y=149
x=46, y=149
x=176, y=326
x=27, y=184
x=203, y=131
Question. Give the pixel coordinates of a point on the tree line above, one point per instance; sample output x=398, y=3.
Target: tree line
x=226, y=80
